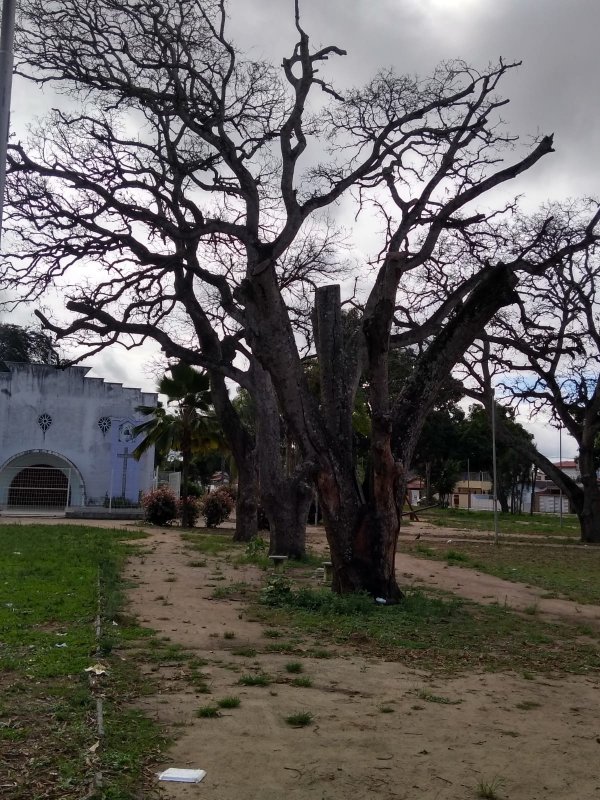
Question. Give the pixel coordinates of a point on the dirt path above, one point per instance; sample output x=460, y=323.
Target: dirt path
x=546, y=748
x=541, y=736
x=487, y=589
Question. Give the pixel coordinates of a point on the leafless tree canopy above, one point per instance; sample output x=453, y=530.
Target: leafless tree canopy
x=181, y=187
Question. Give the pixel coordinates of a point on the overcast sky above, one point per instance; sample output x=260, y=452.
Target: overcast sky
x=554, y=91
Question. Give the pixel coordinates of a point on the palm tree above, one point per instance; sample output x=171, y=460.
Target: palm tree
x=191, y=426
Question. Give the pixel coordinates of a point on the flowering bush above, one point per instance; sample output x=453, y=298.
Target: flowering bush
x=230, y=490
x=160, y=506
x=188, y=510
x=216, y=507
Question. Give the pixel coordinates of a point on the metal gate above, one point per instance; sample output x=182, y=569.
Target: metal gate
x=35, y=489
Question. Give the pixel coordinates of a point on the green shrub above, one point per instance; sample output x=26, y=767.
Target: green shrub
x=160, y=506
x=216, y=507
x=190, y=506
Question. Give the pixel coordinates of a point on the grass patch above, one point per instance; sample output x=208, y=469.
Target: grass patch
x=294, y=667
x=528, y=705
x=299, y=720
x=488, y=790
x=48, y=604
x=281, y=647
x=248, y=652
x=208, y=712
x=209, y=542
x=258, y=679
x=430, y=630
x=229, y=702
x=319, y=652
x=231, y=591
x=425, y=694
x=566, y=571
x=524, y=524
x=271, y=633
x=303, y=681
x=454, y=556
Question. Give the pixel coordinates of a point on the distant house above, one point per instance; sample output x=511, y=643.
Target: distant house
x=548, y=497
x=473, y=490
x=415, y=489
x=218, y=479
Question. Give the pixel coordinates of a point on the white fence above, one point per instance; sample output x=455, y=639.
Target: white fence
x=550, y=504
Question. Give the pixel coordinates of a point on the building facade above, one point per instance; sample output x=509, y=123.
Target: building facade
x=66, y=440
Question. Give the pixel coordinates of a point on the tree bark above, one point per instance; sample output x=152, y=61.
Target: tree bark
x=186, y=458
x=244, y=452
x=588, y=510
x=362, y=530
x=285, y=498
x=246, y=503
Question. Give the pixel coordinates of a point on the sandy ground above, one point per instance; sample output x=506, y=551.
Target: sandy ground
x=421, y=751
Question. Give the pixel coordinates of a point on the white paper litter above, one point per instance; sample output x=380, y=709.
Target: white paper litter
x=182, y=775
x=97, y=669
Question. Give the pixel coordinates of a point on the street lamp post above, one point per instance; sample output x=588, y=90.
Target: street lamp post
x=7, y=35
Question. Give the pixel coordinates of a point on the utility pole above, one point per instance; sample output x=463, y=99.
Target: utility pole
x=7, y=36
x=494, y=471
x=560, y=466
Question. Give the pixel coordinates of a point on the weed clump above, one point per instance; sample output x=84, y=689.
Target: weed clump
x=299, y=720
x=278, y=593
x=208, y=712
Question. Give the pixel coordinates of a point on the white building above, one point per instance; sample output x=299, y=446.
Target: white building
x=66, y=439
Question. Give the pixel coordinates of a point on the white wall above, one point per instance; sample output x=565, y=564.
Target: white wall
x=75, y=404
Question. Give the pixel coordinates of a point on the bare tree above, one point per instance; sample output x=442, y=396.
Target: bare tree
x=543, y=356
x=180, y=146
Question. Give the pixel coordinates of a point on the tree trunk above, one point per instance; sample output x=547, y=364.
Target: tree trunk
x=243, y=449
x=502, y=499
x=287, y=511
x=362, y=531
x=362, y=539
x=246, y=503
x=362, y=534
x=533, y=483
x=285, y=498
x=186, y=458
x=589, y=511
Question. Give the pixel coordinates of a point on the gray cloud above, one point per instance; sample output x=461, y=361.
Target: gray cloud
x=554, y=91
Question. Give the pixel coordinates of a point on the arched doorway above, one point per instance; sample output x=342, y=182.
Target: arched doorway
x=40, y=480
x=41, y=486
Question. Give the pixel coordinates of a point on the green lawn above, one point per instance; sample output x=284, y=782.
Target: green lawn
x=524, y=524
x=48, y=606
